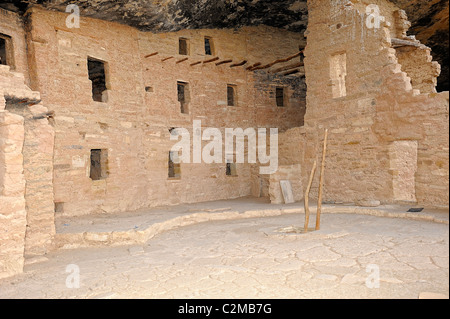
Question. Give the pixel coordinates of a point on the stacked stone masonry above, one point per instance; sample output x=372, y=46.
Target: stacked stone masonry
x=373, y=88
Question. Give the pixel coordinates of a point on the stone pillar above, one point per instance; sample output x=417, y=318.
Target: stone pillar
x=38, y=170
x=12, y=190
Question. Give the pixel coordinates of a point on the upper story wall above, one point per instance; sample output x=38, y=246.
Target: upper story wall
x=13, y=33
x=371, y=103
x=132, y=118
x=60, y=71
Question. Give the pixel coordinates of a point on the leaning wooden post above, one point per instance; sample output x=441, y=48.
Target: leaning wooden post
x=308, y=189
x=322, y=171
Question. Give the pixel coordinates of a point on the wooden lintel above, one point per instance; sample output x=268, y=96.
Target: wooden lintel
x=224, y=62
x=238, y=64
x=196, y=63
x=211, y=60
x=152, y=54
x=163, y=60
x=182, y=60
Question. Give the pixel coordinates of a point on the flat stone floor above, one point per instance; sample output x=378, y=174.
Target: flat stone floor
x=352, y=256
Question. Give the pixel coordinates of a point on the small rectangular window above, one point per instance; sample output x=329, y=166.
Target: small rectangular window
x=280, y=96
x=183, y=96
x=231, y=95
x=99, y=164
x=231, y=169
x=209, y=48
x=59, y=207
x=183, y=46
x=97, y=74
x=174, y=165
x=6, y=54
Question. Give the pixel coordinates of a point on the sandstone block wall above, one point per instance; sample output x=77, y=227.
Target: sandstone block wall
x=380, y=105
x=12, y=25
x=142, y=106
x=26, y=173
x=12, y=188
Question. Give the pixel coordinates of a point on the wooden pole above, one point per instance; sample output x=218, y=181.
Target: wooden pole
x=211, y=60
x=150, y=55
x=224, y=62
x=182, y=60
x=322, y=171
x=238, y=64
x=308, y=189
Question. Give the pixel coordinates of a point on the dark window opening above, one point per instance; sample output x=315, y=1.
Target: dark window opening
x=280, y=97
x=231, y=169
x=183, y=47
x=59, y=207
x=174, y=165
x=231, y=95
x=97, y=75
x=99, y=164
x=5, y=50
x=209, y=46
x=183, y=96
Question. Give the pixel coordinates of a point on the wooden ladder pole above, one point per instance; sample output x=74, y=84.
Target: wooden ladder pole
x=322, y=171
x=308, y=189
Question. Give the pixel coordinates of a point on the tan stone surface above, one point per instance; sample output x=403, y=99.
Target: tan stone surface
x=251, y=259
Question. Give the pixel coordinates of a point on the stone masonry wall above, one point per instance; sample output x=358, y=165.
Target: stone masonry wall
x=11, y=25
x=357, y=89
x=35, y=162
x=12, y=189
x=142, y=106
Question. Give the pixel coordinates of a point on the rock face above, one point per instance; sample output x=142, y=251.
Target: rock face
x=429, y=18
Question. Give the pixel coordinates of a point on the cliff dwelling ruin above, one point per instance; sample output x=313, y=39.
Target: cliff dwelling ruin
x=88, y=107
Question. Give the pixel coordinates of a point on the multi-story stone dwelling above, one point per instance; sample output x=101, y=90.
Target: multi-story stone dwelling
x=87, y=113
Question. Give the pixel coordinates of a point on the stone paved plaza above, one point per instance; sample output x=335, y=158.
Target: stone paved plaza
x=254, y=258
